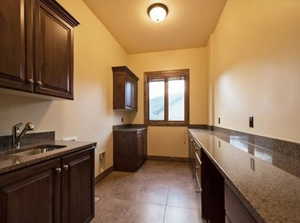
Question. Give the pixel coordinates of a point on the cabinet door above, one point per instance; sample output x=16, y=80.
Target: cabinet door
x=78, y=187
x=236, y=212
x=141, y=155
x=129, y=91
x=31, y=195
x=16, y=69
x=130, y=94
x=54, y=53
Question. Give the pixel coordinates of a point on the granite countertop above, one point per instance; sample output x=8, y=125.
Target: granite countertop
x=9, y=160
x=129, y=127
x=271, y=192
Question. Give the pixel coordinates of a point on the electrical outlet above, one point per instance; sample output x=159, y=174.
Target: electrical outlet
x=219, y=120
x=251, y=122
x=102, y=156
x=252, y=164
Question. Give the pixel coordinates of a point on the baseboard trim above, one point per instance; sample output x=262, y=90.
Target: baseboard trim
x=104, y=174
x=168, y=158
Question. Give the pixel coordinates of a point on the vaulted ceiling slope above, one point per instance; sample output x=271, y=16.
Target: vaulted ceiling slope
x=188, y=25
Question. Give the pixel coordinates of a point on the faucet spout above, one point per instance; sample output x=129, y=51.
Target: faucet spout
x=17, y=134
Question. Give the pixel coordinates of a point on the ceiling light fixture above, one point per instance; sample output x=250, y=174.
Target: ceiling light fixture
x=158, y=12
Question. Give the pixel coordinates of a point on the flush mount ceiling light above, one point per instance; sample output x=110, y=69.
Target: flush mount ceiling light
x=158, y=12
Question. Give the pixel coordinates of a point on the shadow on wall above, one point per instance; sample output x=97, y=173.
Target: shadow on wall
x=14, y=109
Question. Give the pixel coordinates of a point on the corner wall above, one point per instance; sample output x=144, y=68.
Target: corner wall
x=255, y=69
x=171, y=141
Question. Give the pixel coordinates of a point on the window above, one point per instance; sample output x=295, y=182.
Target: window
x=167, y=97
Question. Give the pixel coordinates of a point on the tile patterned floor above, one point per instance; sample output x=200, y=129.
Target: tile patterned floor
x=160, y=192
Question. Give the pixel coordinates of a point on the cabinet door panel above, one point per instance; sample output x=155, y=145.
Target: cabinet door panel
x=78, y=188
x=54, y=56
x=31, y=195
x=140, y=148
x=128, y=94
x=235, y=210
x=16, y=69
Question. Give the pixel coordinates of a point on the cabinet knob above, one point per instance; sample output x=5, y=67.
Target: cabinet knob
x=66, y=167
x=58, y=170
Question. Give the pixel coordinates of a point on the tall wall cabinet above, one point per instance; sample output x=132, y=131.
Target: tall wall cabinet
x=36, y=47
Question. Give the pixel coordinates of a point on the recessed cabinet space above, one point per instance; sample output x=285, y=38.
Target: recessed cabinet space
x=58, y=190
x=36, y=47
x=125, y=87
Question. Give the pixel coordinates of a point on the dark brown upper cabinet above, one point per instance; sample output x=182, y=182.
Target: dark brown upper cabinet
x=54, y=50
x=16, y=51
x=37, y=47
x=125, y=89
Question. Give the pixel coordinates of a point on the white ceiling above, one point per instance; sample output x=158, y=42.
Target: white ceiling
x=188, y=25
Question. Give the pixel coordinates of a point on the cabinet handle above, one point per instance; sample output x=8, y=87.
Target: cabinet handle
x=198, y=158
x=66, y=167
x=58, y=170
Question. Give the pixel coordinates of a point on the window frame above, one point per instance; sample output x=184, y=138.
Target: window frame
x=165, y=75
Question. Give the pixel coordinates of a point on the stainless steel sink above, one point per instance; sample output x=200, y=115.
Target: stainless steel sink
x=38, y=150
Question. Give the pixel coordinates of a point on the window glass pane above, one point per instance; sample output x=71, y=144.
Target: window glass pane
x=176, y=100
x=156, y=100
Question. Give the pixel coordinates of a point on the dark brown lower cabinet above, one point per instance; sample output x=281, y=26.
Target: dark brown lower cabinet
x=56, y=191
x=130, y=149
x=195, y=163
x=212, y=195
x=235, y=211
x=78, y=188
x=31, y=195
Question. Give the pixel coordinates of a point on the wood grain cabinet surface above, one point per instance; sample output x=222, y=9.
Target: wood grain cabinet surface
x=36, y=47
x=130, y=149
x=16, y=50
x=235, y=211
x=125, y=89
x=56, y=191
x=78, y=187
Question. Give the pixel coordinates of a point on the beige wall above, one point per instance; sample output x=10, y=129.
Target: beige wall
x=90, y=116
x=170, y=141
x=254, y=65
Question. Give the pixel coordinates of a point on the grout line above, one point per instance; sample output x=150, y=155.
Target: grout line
x=165, y=213
x=166, y=205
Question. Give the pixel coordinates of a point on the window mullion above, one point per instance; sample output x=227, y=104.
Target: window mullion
x=166, y=100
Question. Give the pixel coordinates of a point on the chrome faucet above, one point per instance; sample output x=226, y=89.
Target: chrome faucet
x=17, y=134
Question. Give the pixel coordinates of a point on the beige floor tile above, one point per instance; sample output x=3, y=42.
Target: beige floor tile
x=182, y=215
x=160, y=192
